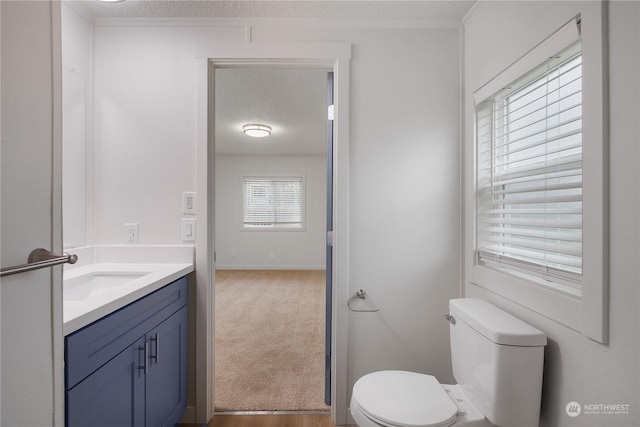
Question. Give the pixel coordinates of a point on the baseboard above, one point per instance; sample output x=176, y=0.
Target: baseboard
x=327, y=412
x=270, y=267
x=189, y=416
x=350, y=420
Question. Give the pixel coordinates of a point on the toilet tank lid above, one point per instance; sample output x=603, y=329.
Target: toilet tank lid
x=496, y=324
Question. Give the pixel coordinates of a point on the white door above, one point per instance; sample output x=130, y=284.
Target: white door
x=31, y=370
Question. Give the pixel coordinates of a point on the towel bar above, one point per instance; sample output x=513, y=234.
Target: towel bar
x=39, y=258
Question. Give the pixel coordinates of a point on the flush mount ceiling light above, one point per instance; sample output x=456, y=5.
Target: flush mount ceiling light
x=256, y=130
x=111, y=1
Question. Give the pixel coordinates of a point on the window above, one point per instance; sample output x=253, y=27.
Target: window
x=538, y=195
x=529, y=188
x=273, y=203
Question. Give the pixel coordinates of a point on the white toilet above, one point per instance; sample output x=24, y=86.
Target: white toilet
x=497, y=361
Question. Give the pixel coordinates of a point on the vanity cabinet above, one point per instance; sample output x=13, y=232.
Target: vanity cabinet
x=129, y=368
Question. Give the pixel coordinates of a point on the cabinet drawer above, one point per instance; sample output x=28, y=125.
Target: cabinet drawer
x=94, y=345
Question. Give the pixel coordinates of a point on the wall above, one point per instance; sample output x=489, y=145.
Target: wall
x=77, y=64
x=144, y=133
x=293, y=250
x=576, y=369
x=404, y=181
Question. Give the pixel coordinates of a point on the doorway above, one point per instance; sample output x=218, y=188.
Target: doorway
x=330, y=55
x=270, y=228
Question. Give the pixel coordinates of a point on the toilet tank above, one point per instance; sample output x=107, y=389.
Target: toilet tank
x=497, y=362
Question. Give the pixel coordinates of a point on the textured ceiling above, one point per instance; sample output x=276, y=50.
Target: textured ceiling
x=429, y=10
x=293, y=102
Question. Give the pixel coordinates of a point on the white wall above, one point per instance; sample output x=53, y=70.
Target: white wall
x=404, y=165
x=292, y=250
x=77, y=63
x=576, y=368
x=143, y=132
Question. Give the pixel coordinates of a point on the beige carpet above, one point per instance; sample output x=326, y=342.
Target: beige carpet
x=270, y=340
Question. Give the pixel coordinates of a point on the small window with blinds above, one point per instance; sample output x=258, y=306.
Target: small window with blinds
x=529, y=174
x=273, y=203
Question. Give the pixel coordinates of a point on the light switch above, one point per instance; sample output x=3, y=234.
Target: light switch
x=188, y=229
x=189, y=203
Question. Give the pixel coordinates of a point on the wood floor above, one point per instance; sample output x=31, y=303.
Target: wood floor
x=270, y=421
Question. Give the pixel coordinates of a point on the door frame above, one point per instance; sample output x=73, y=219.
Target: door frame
x=334, y=56
x=329, y=241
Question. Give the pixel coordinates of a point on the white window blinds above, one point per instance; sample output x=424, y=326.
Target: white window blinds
x=529, y=172
x=273, y=203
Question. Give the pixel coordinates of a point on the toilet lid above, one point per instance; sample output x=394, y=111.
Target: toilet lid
x=404, y=399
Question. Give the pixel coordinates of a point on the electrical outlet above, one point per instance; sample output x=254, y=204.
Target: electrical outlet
x=132, y=232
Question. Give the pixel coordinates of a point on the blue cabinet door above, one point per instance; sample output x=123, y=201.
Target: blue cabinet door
x=129, y=369
x=167, y=377
x=114, y=395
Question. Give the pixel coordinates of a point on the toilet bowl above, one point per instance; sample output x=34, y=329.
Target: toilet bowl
x=497, y=361
x=410, y=399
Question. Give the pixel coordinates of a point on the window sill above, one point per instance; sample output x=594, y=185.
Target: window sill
x=271, y=229
x=556, y=305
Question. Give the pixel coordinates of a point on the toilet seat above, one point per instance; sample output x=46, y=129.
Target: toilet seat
x=404, y=399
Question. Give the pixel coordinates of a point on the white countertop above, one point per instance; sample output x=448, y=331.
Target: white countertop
x=78, y=314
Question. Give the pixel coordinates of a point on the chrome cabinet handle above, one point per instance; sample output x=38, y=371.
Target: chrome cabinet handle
x=39, y=258
x=145, y=352
x=156, y=340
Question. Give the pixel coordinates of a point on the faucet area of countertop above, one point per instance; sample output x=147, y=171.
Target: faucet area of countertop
x=107, y=278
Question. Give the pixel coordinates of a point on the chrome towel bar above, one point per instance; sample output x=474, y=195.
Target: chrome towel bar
x=39, y=258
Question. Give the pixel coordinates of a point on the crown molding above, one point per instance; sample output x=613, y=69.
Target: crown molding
x=290, y=22
x=471, y=14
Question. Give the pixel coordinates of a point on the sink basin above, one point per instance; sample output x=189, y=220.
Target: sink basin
x=95, y=283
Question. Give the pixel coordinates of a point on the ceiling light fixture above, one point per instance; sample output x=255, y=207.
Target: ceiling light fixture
x=111, y=1
x=256, y=130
